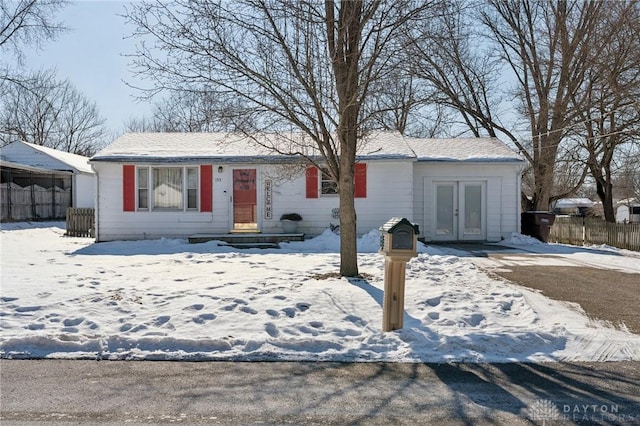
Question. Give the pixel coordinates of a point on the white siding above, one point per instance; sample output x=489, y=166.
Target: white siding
x=84, y=187
x=389, y=194
x=503, y=193
x=115, y=224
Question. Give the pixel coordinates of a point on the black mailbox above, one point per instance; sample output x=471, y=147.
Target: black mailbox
x=399, y=236
x=398, y=243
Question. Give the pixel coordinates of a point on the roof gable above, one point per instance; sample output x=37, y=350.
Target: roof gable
x=463, y=149
x=43, y=157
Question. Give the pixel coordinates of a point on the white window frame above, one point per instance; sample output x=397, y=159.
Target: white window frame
x=184, y=189
x=330, y=183
x=142, y=185
x=187, y=188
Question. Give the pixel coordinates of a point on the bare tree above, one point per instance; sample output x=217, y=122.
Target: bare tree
x=197, y=110
x=306, y=66
x=25, y=23
x=627, y=180
x=609, y=115
x=448, y=57
x=569, y=173
x=52, y=113
x=403, y=103
x=546, y=46
x=79, y=126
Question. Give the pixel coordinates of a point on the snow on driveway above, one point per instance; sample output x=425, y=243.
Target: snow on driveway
x=64, y=297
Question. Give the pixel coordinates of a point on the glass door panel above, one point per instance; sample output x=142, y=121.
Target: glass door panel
x=244, y=200
x=446, y=211
x=472, y=209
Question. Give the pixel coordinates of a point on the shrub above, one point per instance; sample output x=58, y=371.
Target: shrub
x=291, y=216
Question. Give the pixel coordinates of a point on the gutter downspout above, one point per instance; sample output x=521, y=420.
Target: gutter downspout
x=519, y=201
x=96, y=198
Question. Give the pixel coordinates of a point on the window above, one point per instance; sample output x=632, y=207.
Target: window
x=167, y=188
x=321, y=182
x=143, y=188
x=327, y=185
x=192, y=188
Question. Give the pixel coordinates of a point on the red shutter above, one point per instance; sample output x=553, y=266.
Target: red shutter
x=360, y=178
x=206, y=188
x=312, y=182
x=128, y=188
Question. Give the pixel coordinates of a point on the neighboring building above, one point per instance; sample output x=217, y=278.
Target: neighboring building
x=628, y=211
x=153, y=185
x=572, y=206
x=40, y=182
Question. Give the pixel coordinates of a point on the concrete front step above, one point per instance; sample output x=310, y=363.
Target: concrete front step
x=254, y=245
x=245, y=240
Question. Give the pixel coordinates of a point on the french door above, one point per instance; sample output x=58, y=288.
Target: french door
x=459, y=211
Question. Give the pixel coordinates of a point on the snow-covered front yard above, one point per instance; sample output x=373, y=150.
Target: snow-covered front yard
x=64, y=297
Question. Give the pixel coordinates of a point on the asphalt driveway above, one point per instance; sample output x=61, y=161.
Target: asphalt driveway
x=606, y=284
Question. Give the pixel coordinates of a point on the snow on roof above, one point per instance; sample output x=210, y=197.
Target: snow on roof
x=462, y=149
x=14, y=165
x=233, y=147
x=629, y=202
x=178, y=146
x=568, y=203
x=78, y=162
x=384, y=145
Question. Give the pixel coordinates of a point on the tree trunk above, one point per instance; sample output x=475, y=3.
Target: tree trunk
x=344, y=45
x=348, y=135
x=543, y=168
x=605, y=192
x=348, y=219
x=604, y=189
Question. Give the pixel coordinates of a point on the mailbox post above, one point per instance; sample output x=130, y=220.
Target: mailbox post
x=398, y=243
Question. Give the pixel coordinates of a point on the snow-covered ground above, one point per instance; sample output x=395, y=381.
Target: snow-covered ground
x=64, y=297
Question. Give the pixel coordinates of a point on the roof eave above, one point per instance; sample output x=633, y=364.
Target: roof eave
x=471, y=160
x=35, y=169
x=229, y=159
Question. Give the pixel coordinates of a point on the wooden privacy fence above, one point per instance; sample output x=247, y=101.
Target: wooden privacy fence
x=33, y=202
x=80, y=222
x=579, y=231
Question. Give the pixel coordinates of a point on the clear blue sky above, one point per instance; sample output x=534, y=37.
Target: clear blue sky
x=90, y=56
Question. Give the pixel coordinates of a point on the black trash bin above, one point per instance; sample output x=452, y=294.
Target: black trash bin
x=537, y=224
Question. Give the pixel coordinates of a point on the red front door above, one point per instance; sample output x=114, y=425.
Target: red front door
x=245, y=205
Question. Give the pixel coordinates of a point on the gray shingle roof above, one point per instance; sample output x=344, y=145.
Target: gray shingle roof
x=229, y=147
x=463, y=149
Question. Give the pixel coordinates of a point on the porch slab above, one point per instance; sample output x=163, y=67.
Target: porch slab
x=245, y=240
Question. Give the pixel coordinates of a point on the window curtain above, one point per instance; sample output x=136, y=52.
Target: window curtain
x=167, y=188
